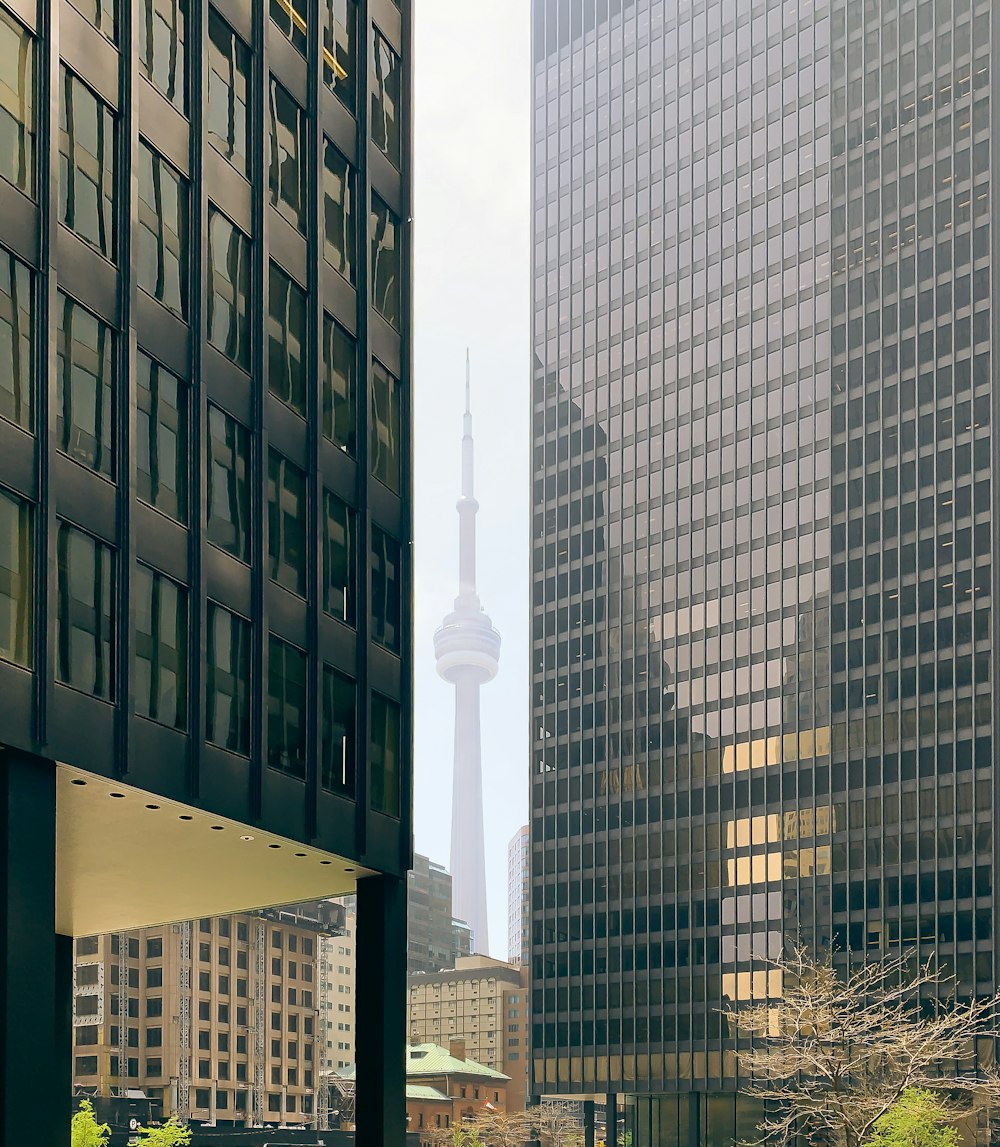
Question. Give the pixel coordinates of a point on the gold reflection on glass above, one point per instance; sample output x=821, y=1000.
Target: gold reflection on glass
x=786, y=749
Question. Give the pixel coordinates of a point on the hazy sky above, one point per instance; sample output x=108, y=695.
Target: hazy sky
x=472, y=224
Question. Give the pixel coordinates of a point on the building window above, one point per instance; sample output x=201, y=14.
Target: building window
x=340, y=359
x=161, y=627
x=85, y=1065
x=386, y=84
x=228, y=484
x=286, y=523
x=385, y=261
x=385, y=749
x=84, y=387
x=286, y=340
x=228, y=681
x=386, y=590
x=339, y=537
x=86, y=165
x=228, y=289
x=17, y=104
x=84, y=624
x=154, y=977
x=202, y=1098
x=286, y=708
x=17, y=343
x=161, y=259
x=154, y=1067
x=287, y=177
x=160, y=33
x=228, y=92
x=340, y=50
x=339, y=724
x=290, y=17
x=154, y=1004
x=16, y=581
x=386, y=428
x=99, y=13
x=161, y=438
x=339, y=211
x=154, y=1036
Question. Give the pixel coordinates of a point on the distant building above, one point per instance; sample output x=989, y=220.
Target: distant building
x=434, y=938
x=336, y=993
x=519, y=898
x=221, y=1007
x=444, y=1086
x=483, y=1003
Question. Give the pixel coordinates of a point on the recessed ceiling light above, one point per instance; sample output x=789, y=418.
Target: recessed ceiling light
x=117, y=796
x=79, y=782
x=274, y=846
x=154, y=807
x=350, y=870
x=326, y=862
x=216, y=828
x=300, y=854
x=184, y=816
x=246, y=838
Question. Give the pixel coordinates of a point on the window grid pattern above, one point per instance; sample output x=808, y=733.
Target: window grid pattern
x=86, y=147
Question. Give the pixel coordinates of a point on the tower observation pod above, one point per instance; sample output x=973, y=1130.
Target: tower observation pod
x=467, y=649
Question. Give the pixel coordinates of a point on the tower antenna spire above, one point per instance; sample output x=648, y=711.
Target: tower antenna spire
x=467, y=649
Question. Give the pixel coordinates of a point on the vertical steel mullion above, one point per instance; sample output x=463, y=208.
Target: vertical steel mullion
x=196, y=402
x=47, y=178
x=363, y=480
x=314, y=411
x=258, y=303
x=406, y=391
x=127, y=210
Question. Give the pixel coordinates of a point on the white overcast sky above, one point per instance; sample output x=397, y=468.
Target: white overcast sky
x=471, y=220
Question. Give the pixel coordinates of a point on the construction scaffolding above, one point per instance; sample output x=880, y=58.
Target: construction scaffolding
x=184, y=1058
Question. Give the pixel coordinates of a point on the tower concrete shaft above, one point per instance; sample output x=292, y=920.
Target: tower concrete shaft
x=467, y=648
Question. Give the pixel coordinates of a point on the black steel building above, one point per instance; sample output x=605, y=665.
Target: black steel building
x=762, y=626
x=205, y=493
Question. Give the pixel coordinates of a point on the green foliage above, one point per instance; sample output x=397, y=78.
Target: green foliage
x=917, y=1119
x=85, y=1131
x=170, y=1134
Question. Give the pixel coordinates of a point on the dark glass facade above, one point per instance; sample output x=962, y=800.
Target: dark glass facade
x=762, y=482
x=164, y=409
x=173, y=424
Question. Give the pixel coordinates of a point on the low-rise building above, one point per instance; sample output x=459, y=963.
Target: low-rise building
x=481, y=1002
x=447, y=1086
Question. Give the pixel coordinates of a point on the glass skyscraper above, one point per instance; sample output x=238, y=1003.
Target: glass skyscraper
x=762, y=521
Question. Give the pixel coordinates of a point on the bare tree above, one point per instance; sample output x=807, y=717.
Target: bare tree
x=555, y=1125
x=504, y=1128
x=832, y=1056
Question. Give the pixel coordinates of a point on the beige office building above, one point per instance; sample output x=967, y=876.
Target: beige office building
x=216, y=1012
x=336, y=997
x=483, y=1002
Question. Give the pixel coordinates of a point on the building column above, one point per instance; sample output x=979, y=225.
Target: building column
x=36, y=965
x=611, y=1121
x=380, y=1011
x=588, y=1123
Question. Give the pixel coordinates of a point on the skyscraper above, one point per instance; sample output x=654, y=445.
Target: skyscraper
x=205, y=499
x=762, y=627
x=434, y=938
x=467, y=648
x=519, y=898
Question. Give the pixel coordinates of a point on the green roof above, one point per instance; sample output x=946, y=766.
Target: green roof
x=429, y=1059
x=421, y=1091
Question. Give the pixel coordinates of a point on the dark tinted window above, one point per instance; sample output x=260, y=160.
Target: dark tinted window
x=384, y=755
x=339, y=721
x=287, y=170
x=17, y=104
x=162, y=255
x=290, y=17
x=386, y=266
x=100, y=13
x=286, y=708
x=385, y=445
x=160, y=682
x=228, y=484
x=339, y=588
x=84, y=625
x=86, y=164
x=228, y=289
x=228, y=680
x=17, y=369
x=340, y=49
x=161, y=438
x=385, y=109
x=386, y=590
x=286, y=529
x=339, y=211
x=340, y=357
x=228, y=92
x=161, y=36
x=286, y=340
x=85, y=387
x=15, y=580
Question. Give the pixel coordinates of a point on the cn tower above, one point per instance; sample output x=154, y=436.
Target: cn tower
x=467, y=648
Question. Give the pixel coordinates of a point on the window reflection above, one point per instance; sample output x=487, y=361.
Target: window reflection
x=17, y=104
